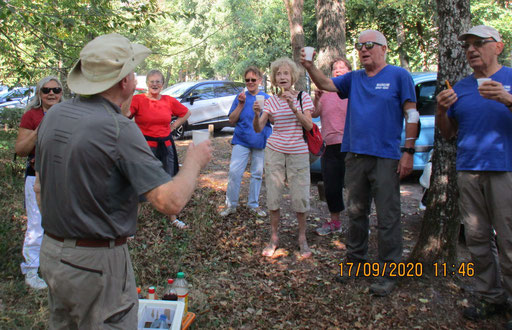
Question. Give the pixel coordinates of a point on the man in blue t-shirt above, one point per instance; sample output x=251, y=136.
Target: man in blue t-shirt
x=380, y=96
x=246, y=143
x=481, y=113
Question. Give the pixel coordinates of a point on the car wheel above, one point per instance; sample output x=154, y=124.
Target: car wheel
x=179, y=132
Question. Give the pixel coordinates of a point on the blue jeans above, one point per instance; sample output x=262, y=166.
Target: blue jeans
x=239, y=158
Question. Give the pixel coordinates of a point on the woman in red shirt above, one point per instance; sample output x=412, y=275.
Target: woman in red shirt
x=153, y=114
x=48, y=93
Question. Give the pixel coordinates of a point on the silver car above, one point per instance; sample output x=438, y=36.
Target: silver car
x=208, y=101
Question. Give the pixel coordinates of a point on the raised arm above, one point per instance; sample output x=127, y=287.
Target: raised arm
x=260, y=119
x=319, y=78
x=235, y=114
x=170, y=198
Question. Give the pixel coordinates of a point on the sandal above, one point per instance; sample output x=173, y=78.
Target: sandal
x=180, y=224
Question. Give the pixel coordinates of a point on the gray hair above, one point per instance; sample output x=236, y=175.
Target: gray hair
x=154, y=72
x=274, y=67
x=379, y=37
x=36, y=101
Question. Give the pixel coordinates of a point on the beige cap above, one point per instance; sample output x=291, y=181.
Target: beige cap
x=103, y=62
x=482, y=31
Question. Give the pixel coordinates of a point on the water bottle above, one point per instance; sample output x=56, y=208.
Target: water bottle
x=181, y=287
x=160, y=323
x=151, y=293
x=170, y=293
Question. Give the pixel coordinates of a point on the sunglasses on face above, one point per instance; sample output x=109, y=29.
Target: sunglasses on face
x=369, y=45
x=47, y=90
x=250, y=80
x=476, y=44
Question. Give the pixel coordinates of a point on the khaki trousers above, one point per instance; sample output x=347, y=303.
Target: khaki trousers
x=485, y=202
x=89, y=288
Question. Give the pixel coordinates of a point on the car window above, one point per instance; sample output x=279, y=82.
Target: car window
x=222, y=90
x=205, y=92
x=426, y=95
x=178, y=89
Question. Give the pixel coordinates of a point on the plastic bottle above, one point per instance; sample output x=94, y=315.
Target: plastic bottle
x=160, y=323
x=181, y=287
x=151, y=293
x=139, y=293
x=170, y=293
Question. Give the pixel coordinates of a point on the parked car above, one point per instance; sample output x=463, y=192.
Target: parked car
x=208, y=101
x=425, y=84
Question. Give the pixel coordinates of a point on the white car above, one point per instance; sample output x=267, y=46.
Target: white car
x=208, y=101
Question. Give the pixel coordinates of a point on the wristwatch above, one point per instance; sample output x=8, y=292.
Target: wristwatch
x=410, y=150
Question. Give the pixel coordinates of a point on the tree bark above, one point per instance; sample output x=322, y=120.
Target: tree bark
x=330, y=32
x=294, y=9
x=400, y=37
x=440, y=226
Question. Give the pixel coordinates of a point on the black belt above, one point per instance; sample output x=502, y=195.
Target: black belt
x=92, y=242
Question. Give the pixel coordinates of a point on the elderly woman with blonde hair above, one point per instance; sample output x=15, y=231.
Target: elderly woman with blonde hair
x=286, y=153
x=48, y=93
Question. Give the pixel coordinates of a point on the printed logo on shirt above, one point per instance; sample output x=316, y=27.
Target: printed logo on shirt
x=507, y=88
x=382, y=86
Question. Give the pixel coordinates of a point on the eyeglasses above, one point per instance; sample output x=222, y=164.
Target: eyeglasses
x=369, y=45
x=155, y=82
x=250, y=80
x=47, y=90
x=476, y=43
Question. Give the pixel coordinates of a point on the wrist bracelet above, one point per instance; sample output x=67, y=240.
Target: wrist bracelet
x=410, y=138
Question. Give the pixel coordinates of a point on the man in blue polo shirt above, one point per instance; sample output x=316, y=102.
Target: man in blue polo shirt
x=481, y=113
x=380, y=96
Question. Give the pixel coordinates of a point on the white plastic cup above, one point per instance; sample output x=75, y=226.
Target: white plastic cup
x=480, y=81
x=309, y=53
x=261, y=100
x=199, y=136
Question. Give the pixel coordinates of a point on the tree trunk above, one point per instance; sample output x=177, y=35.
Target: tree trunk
x=440, y=226
x=330, y=32
x=400, y=37
x=294, y=9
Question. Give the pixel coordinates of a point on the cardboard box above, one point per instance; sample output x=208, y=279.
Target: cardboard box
x=150, y=310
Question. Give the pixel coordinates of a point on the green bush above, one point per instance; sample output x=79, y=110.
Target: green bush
x=11, y=116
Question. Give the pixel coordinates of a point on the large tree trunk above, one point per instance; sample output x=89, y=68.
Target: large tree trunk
x=440, y=226
x=294, y=9
x=400, y=37
x=330, y=32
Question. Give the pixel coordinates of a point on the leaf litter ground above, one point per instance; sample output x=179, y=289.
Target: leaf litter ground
x=233, y=286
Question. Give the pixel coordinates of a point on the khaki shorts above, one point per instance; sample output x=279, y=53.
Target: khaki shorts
x=293, y=168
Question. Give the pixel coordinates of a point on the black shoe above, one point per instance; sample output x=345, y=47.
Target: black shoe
x=483, y=310
x=382, y=286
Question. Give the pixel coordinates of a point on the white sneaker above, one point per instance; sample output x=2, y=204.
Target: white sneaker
x=34, y=281
x=227, y=211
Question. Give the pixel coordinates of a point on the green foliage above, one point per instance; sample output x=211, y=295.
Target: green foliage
x=416, y=18
x=11, y=116
x=499, y=17
x=39, y=38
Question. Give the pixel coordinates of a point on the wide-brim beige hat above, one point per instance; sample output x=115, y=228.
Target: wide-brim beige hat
x=103, y=62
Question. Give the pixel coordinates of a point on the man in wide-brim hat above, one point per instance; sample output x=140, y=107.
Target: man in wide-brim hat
x=92, y=164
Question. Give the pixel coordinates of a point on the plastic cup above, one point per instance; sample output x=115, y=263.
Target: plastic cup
x=480, y=81
x=199, y=136
x=309, y=53
x=261, y=100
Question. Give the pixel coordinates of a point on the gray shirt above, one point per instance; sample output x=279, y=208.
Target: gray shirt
x=93, y=163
